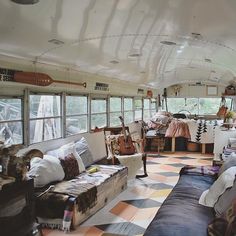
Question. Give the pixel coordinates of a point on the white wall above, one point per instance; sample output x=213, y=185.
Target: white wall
x=96, y=143
x=193, y=90
x=65, y=74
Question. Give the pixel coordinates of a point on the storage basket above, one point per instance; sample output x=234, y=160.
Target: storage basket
x=193, y=147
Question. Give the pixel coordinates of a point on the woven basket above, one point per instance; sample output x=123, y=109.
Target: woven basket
x=193, y=147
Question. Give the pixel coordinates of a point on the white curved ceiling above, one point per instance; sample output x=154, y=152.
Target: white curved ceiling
x=127, y=39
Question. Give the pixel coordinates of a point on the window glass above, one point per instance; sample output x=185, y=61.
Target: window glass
x=115, y=111
x=128, y=104
x=98, y=105
x=98, y=113
x=115, y=104
x=146, y=109
x=146, y=103
x=138, y=109
x=98, y=120
x=76, y=114
x=11, y=121
x=128, y=110
x=183, y=105
x=138, y=104
x=138, y=115
x=76, y=105
x=210, y=106
x=45, y=117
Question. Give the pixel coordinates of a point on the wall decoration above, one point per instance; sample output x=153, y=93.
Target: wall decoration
x=149, y=93
x=176, y=89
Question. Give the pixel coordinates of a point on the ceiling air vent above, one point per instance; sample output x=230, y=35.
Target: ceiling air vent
x=208, y=60
x=25, y=2
x=101, y=86
x=168, y=43
x=114, y=62
x=196, y=35
x=140, y=91
x=135, y=55
x=56, y=41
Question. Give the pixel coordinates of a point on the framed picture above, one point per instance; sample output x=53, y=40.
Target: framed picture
x=212, y=90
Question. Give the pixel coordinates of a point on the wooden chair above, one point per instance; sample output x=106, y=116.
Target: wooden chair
x=129, y=160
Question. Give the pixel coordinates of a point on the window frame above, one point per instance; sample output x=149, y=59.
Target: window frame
x=21, y=98
x=132, y=110
x=61, y=116
x=76, y=115
x=94, y=97
x=113, y=112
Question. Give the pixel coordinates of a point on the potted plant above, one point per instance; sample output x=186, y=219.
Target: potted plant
x=230, y=116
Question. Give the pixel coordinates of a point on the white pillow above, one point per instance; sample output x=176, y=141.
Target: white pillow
x=226, y=180
x=45, y=171
x=82, y=149
x=62, y=151
x=66, y=150
x=79, y=160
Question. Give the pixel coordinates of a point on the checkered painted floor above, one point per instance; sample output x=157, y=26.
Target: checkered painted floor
x=132, y=211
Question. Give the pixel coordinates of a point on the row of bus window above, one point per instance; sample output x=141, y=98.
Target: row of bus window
x=55, y=116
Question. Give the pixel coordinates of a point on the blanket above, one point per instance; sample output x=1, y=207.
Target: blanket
x=178, y=128
x=202, y=131
x=200, y=170
x=58, y=204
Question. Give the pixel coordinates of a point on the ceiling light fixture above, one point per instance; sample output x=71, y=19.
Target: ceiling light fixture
x=168, y=43
x=135, y=55
x=196, y=35
x=56, y=41
x=208, y=60
x=114, y=62
x=25, y=2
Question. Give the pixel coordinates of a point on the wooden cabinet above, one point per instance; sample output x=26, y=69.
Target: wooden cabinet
x=17, y=215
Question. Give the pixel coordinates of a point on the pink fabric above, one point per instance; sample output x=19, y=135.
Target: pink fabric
x=178, y=128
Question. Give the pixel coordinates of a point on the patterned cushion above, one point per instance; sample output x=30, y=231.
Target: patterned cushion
x=225, y=225
x=82, y=149
x=70, y=166
x=113, y=146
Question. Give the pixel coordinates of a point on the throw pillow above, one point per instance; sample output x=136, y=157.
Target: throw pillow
x=70, y=166
x=66, y=150
x=79, y=160
x=113, y=147
x=225, y=200
x=225, y=180
x=45, y=171
x=82, y=149
x=62, y=151
x=231, y=161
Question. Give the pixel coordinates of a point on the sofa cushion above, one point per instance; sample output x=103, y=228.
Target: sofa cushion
x=62, y=151
x=226, y=180
x=82, y=149
x=225, y=200
x=46, y=170
x=70, y=166
x=181, y=214
x=65, y=150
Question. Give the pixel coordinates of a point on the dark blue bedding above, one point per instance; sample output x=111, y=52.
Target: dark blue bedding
x=181, y=214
